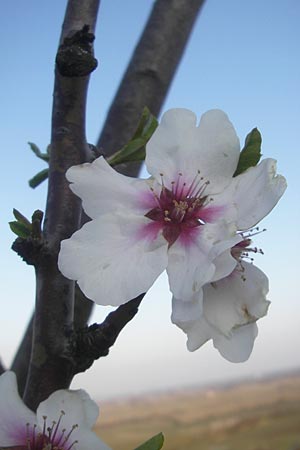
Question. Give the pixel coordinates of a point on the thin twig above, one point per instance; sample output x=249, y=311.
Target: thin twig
x=95, y=341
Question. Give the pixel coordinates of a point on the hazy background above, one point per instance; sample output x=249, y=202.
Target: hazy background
x=243, y=57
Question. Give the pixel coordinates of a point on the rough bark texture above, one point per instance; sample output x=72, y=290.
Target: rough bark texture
x=50, y=367
x=150, y=71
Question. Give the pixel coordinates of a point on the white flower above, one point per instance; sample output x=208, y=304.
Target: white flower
x=183, y=219
x=62, y=422
x=228, y=316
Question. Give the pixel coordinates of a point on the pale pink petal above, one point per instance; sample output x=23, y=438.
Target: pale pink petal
x=180, y=146
x=114, y=258
x=14, y=415
x=104, y=190
x=257, y=191
x=79, y=409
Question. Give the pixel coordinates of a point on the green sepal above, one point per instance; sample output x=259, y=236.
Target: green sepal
x=22, y=219
x=155, y=443
x=134, y=150
x=20, y=229
x=39, y=178
x=251, y=153
x=38, y=153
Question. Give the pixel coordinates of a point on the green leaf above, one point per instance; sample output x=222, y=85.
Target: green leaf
x=251, y=153
x=38, y=178
x=38, y=153
x=134, y=150
x=155, y=443
x=22, y=219
x=20, y=229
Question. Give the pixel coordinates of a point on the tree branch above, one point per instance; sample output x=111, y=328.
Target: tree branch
x=20, y=364
x=50, y=367
x=92, y=342
x=150, y=72
x=146, y=82
x=2, y=369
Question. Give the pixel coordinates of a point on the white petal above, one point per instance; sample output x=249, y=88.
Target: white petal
x=179, y=146
x=230, y=310
x=14, y=415
x=198, y=333
x=183, y=312
x=189, y=267
x=257, y=192
x=191, y=264
x=224, y=265
x=104, y=190
x=110, y=259
x=236, y=300
x=78, y=410
x=238, y=347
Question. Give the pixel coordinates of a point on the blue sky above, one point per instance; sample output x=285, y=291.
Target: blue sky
x=243, y=57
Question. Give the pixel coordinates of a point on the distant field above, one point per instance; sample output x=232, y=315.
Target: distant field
x=261, y=415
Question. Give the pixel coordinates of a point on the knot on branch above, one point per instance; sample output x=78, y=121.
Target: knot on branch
x=75, y=56
x=29, y=249
x=30, y=243
x=93, y=342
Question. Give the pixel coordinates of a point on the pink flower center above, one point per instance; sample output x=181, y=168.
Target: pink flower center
x=51, y=437
x=243, y=249
x=180, y=210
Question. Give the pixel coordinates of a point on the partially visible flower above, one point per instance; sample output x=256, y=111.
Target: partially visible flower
x=228, y=316
x=232, y=305
x=62, y=422
x=183, y=219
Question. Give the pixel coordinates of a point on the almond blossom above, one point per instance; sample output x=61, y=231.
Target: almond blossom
x=184, y=218
x=62, y=422
x=228, y=313
x=231, y=306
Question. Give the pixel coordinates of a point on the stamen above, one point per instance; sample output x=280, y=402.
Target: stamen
x=28, y=440
x=190, y=189
x=44, y=426
x=75, y=442
x=34, y=435
x=69, y=434
x=61, y=437
x=62, y=413
x=202, y=189
x=177, y=184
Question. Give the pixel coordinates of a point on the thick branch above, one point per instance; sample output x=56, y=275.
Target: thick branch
x=50, y=367
x=21, y=361
x=150, y=71
x=82, y=310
